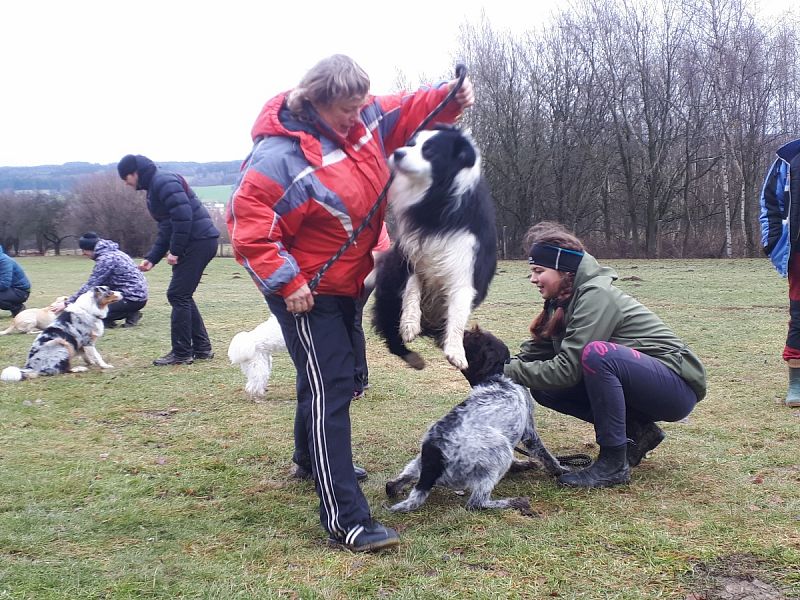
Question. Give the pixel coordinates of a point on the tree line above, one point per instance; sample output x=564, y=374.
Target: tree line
x=645, y=126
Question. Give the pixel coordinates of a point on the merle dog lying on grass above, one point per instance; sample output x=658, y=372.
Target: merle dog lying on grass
x=472, y=446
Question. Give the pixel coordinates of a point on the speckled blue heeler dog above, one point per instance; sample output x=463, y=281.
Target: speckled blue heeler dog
x=472, y=446
x=74, y=332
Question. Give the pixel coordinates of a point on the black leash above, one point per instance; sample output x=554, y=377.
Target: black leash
x=461, y=73
x=566, y=460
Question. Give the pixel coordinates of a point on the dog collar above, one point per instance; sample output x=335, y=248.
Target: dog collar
x=555, y=257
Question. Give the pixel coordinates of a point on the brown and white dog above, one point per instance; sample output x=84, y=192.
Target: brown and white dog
x=34, y=320
x=74, y=332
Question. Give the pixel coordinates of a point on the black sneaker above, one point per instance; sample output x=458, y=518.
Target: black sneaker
x=305, y=474
x=17, y=309
x=110, y=324
x=171, y=359
x=132, y=319
x=367, y=537
x=207, y=355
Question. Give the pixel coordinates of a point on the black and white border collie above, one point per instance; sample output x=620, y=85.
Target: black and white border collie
x=472, y=446
x=74, y=332
x=444, y=254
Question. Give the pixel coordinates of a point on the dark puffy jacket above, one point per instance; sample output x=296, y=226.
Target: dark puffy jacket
x=11, y=274
x=181, y=216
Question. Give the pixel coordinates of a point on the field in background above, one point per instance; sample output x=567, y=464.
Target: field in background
x=146, y=482
x=213, y=193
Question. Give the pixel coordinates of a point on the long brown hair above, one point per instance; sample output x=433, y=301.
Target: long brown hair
x=551, y=321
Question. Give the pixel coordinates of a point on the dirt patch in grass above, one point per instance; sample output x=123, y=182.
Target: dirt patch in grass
x=736, y=577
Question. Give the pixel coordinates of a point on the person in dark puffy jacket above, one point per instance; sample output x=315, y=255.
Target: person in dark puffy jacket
x=115, y=269
x=188, y=238
x=14, y=285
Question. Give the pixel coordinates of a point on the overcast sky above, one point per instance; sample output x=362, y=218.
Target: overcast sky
x=93, y=80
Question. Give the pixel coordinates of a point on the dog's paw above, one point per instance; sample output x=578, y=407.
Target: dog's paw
x=80, y=369
x=456, y=357
x=106, y=366
x=403, y=506
x=409, y=330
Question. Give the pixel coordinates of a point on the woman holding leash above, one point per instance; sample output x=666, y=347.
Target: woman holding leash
x=315, y=171
x=599, y=355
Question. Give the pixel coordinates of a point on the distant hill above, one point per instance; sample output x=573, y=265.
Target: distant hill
x=62, y=178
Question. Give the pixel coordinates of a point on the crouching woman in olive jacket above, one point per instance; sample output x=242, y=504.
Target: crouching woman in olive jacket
x=601, y=356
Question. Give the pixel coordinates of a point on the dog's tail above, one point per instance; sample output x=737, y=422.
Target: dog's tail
x=12, y=374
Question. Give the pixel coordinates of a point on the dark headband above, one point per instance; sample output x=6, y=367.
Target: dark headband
x=555, y=257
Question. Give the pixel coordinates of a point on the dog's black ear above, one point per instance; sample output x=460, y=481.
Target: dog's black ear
x=465, y=152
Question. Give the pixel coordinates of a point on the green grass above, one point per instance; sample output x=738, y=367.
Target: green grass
x=213, y=193
x=146, y=482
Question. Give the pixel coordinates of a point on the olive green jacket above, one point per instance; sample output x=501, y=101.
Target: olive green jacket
x=598, y=311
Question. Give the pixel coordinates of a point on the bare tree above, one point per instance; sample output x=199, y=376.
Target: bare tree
x=102, y=203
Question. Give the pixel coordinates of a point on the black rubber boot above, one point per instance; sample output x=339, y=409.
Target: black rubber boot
x=643, y=437
x=610, y=468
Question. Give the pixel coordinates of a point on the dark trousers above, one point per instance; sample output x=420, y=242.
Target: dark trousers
x=791, y=350
x=188, y=330
x=321, y=347
x=123, y=309
x=621, y=385
x=13, y=298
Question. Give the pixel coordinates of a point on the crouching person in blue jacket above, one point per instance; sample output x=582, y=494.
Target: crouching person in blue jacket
x=14, y=285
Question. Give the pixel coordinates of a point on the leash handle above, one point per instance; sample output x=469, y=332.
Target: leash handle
x=461, y=74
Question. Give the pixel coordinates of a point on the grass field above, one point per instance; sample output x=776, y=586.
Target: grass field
x=213, y=193
x=147, y=482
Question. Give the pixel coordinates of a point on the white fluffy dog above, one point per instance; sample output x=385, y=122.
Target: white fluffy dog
x=253, y=350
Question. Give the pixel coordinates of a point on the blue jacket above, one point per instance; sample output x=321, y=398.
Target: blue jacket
x=780, y=223
x=11, y=274
x=181, y=216
x=117, y=270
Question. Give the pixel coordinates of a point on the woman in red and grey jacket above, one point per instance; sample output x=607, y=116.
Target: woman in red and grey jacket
x=316, y=169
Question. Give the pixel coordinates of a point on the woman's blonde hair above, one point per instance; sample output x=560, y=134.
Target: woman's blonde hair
x=332, y=79
x=551, y=321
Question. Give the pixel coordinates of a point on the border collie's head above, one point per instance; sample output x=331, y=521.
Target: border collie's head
x=443, y=157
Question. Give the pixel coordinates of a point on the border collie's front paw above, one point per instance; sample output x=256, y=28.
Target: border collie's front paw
x=409, y=330
x=457, y=358
x=79, y=369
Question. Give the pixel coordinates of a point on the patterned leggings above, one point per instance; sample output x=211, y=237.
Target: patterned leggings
x=621, y=384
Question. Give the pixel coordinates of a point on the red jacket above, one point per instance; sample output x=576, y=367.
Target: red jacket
x=304, y=189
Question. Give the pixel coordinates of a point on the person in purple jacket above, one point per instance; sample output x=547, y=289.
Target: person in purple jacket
x=115, y=269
